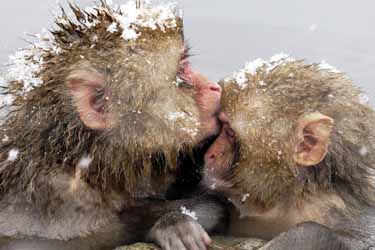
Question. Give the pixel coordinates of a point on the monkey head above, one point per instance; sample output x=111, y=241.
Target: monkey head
x=114, y=85
x=289, y=130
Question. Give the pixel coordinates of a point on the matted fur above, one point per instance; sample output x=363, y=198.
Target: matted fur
x=139, y=153
x=264, y=114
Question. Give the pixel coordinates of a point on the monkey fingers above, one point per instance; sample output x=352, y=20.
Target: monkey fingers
x=176, y=231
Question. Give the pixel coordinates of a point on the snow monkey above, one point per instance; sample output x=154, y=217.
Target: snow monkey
x=296, y=156
x=97, y=113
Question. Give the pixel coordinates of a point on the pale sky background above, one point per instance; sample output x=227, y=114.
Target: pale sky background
x=225, y=34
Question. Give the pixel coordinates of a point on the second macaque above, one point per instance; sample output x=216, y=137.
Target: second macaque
x=296, y=156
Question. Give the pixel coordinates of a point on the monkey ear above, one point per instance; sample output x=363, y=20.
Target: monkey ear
x=312, y=138
x=87, y=91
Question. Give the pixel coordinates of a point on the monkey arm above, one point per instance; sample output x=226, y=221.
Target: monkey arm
x=209, y=211
x=311, y=236
x=184, y=227
x=308, y=235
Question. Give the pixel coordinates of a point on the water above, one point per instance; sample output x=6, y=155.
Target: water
x=226, y=34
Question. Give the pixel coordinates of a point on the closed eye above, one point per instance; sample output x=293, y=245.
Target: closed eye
x=183, y=73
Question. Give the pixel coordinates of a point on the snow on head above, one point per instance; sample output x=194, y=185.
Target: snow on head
x=84, y=162
x=13, y=154
x=25, y=65
x=129, y=18
x=251, y=68
x=325, y=66
x=112, y=28
x=187, y=212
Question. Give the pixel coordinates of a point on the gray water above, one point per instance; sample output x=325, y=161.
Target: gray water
x=225, y=34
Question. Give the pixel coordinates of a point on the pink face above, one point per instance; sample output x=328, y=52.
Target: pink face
x=207, y=96
x=219, y=157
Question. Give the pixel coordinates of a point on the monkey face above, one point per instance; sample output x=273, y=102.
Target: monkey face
x=145, y=93
x=122, y=93
x=270, y=134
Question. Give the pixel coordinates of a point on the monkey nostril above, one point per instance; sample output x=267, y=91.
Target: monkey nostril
x=212, y=156
x=215, y=87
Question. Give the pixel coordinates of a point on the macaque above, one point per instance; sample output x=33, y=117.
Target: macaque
x=295, y=156
x=98, y=113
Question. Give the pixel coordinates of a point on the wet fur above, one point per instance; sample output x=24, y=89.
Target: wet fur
x=335, y=192
x=44, y=193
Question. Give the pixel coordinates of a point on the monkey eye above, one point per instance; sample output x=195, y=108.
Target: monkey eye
x=183, y=65
x=183, y=83
x=183, y=70
x=230, y=132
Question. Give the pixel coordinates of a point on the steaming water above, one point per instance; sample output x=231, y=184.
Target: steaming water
x=226, y=34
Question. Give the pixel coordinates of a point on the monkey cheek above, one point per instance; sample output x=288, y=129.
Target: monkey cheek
x=209, y=126
x=221, y=150
x=208, y=101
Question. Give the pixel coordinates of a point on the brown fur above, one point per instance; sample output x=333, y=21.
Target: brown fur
x=43, y=190
x=264, y=182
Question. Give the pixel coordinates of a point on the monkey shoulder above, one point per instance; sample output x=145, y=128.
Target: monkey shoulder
x=63, y=208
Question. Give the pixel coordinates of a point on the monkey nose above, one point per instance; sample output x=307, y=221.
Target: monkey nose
x=209, y=159
x=223, y=117
x=214, y=87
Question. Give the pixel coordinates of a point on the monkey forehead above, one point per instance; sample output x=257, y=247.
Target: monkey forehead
x=287, y=85
x=91, y=29
x=127, y=19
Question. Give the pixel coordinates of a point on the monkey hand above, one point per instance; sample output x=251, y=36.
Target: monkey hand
x=177, y=231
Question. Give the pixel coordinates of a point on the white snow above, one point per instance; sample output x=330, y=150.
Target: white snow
x=325, y=66
x=192, y=132
x=25, y=65
x=241, y=79
x=85, y=162
x=13, y=154
x=109, y=2
x=252, y=67
x=6, y=100
x=174, y=116
x=262, y=83
x=245, y=197
x=363, y=151
x=364, y=99
x=187, y=212
x=162, y=16
x=5, y=138
x=112, y=28
x=178, y=81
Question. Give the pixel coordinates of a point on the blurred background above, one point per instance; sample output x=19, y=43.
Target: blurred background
x=226, y=34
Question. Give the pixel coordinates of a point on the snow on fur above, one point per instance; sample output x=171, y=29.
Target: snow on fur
x=278, y=59
x=25, y=65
